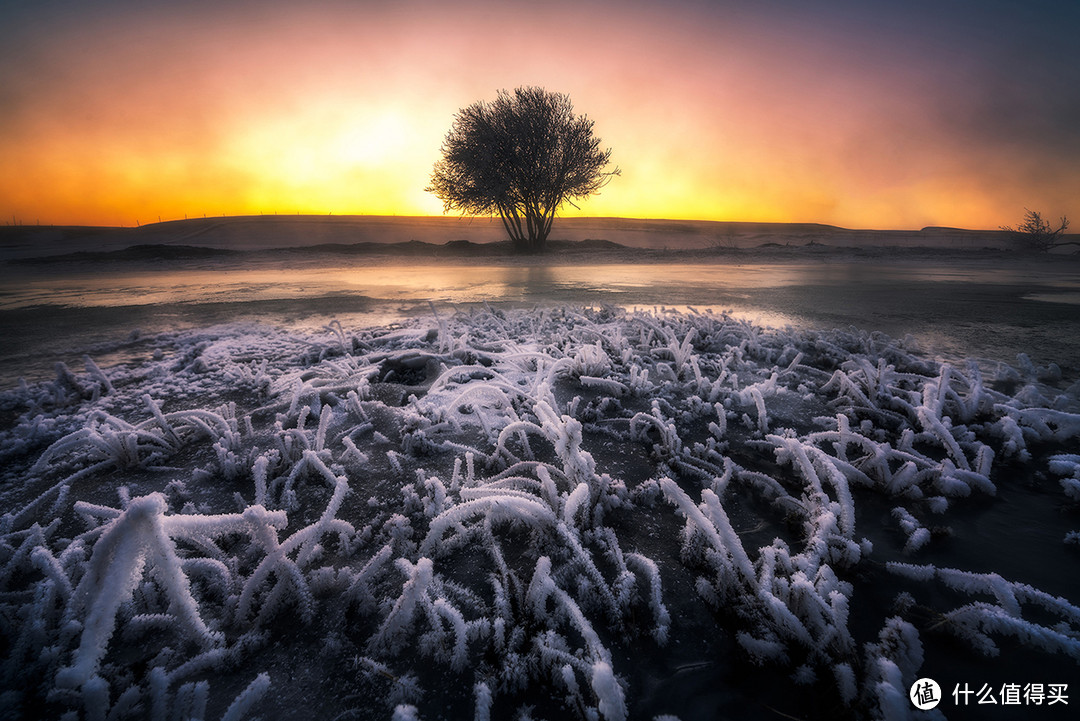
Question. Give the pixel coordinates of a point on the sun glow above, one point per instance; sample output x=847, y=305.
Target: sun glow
x=124, y=120
x=378, y=141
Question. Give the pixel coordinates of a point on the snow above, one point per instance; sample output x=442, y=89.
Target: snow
x=479, y=512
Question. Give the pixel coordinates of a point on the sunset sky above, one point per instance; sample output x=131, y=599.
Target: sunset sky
x=859, y=113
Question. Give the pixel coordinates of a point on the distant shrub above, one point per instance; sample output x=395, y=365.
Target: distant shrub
x=1037, y=234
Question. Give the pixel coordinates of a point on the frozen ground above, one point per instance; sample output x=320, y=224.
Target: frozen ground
x=275, y=482
x=535, y=514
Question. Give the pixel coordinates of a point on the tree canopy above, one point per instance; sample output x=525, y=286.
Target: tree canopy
x=522, y=156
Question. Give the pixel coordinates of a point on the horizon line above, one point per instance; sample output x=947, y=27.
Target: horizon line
x=15, y=222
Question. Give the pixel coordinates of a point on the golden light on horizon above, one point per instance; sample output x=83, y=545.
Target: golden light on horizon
x=341, y=108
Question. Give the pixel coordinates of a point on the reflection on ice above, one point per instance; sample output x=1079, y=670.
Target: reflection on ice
x=953, y=312
x=701, y=284
x=1062, y=297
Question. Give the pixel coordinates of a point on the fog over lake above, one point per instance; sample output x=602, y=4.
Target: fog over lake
x=953, y=309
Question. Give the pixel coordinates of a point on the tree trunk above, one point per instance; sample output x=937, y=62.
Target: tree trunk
x=529, y=234
x=539, y=243
x=512, y=224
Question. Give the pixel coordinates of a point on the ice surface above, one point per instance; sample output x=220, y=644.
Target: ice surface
x=477, y=514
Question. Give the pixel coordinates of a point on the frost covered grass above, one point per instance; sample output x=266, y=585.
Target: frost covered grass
x=478, y=516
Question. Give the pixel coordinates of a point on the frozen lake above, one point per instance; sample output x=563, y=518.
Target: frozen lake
x=951, y=310
x=474, y=486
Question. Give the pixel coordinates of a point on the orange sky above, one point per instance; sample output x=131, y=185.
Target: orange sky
x=133, y=111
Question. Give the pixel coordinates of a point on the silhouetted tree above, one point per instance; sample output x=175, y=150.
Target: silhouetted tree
x=1037, y=234
x=522, y=156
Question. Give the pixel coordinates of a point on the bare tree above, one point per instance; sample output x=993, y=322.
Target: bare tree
x=522, y=156
x=1037, y=234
